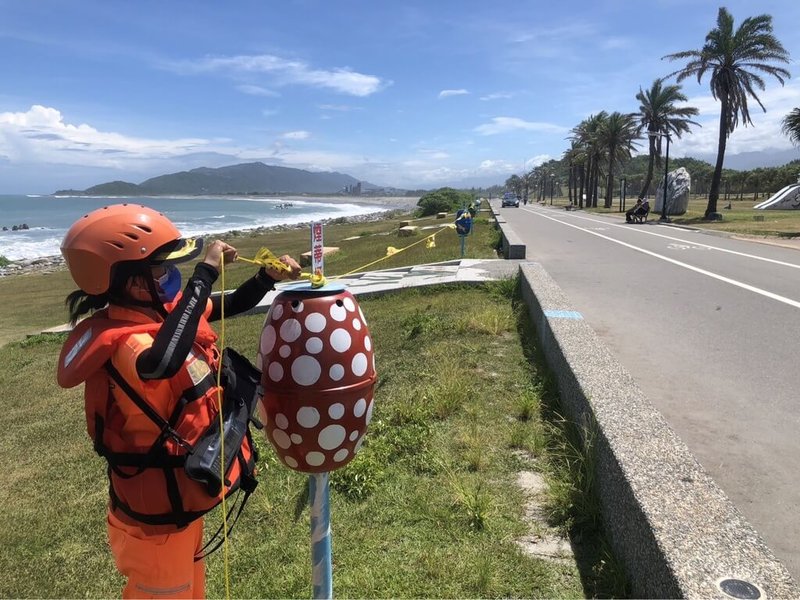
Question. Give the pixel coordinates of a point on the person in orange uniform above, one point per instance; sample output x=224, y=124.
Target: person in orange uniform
x=148, y=360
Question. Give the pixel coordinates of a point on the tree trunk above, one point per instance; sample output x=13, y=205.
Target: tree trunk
x=610, y=179
x=581, y=186
x=644, y=192
x=713, y=194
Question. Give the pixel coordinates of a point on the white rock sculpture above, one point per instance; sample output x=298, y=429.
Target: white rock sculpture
x=678, y=183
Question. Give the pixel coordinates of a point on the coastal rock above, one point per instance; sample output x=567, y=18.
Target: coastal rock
x=33, y=265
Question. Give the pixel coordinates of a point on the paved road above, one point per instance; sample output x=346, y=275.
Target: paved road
x=708, y=326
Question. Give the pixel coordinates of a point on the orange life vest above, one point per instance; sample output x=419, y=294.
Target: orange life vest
x=146, y=441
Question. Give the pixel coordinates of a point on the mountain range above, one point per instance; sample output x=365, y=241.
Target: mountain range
x=245, y=178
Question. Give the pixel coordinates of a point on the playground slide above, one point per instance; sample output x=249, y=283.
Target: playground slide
x=775, y=198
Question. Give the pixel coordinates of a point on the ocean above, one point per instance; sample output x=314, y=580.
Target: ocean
x=49, y=217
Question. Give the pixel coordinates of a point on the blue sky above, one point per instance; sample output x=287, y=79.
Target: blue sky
x=417, y=93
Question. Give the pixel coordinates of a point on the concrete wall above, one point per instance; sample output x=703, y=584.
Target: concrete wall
x=512, y=247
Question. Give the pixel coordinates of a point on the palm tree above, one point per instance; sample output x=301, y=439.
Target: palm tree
x=658, y=113
x=736, y=60
x=791, y=126
x=586, y=135
x=617, y=136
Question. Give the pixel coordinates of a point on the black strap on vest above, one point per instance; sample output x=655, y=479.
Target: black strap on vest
x=157, y=457
x=166, y=429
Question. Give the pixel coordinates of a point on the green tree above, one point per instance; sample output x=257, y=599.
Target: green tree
x=617, y=136
x=791, y=126
x=658, y=113
x=443, y=200
x=735, y=60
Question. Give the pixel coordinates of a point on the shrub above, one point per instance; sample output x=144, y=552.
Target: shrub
x=443, y=200
x=4, y=262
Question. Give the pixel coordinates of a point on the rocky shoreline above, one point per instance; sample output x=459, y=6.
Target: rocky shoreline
x=49, y=264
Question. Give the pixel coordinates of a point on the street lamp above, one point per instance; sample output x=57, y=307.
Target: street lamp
x=663, y=218
x=623, y=187
x=552, y=185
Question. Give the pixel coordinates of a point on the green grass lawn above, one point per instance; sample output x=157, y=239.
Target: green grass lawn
x=429, y=508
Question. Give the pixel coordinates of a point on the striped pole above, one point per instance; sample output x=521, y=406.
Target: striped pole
x=319, y=497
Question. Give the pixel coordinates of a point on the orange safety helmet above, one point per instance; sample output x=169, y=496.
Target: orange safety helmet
x=119, y=233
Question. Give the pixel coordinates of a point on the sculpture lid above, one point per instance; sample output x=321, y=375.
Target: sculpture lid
x=304, y=287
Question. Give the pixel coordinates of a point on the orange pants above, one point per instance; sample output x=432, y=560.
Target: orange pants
x=158, y=566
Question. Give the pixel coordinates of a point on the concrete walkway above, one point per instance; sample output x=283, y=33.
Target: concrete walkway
x=369, y=283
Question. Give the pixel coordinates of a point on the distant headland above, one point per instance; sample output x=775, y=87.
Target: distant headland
x=242, y=179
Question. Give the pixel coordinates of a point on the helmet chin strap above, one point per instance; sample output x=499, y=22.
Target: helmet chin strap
x=155, y=302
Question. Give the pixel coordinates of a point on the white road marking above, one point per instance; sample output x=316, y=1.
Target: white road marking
x=740, y=284
x=669, y=237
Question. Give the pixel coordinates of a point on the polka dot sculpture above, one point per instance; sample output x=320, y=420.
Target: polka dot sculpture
x=318, y=374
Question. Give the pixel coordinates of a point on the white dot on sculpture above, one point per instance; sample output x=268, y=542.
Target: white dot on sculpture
x=277, y=312
x=336, y=372
x=359, y=364
x=281, y=439
x=297, y=307
x=308, y=417
x=281, y=421
x=315, y=322
x=338, y=313
x=354, y=435
x=313, y=345
x=361, y=313
x=315, y=459
x=331, y=437
x=275, y=371
x=340, y=455
x=267, y=340
x=306, y=370
x=291, y=330
x=349, y=304
x=336, y=411
x=369, y=412
x=367, y=343
x=290, y=461
x=285, y=351
x=296, y=438
x=340, y=340
x=356, y=324
x=360, y=407
x=358, y=445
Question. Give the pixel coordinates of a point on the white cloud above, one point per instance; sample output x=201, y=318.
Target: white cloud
x=508, y=124
x=497, y=96
x=41, y=135
x=256, y=90
x=286, y=72
x=448, y=93
x=296, y=135
x=764, y=134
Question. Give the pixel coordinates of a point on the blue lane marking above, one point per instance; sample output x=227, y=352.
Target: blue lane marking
x=563, y=314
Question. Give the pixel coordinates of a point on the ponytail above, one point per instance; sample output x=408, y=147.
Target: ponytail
x=79, y=302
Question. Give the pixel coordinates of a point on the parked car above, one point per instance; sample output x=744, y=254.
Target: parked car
x=510, y=200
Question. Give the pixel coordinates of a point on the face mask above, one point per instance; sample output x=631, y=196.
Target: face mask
x=169, y=284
